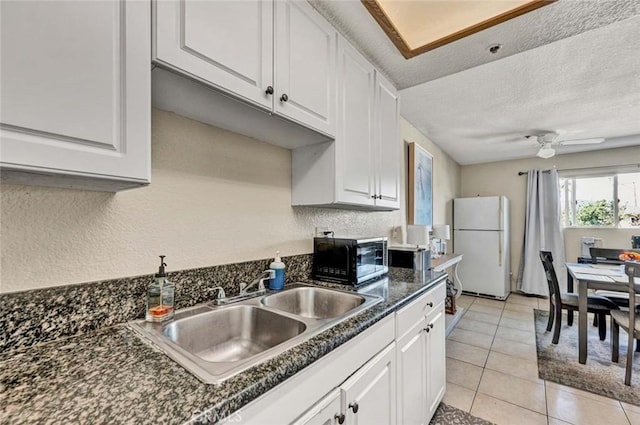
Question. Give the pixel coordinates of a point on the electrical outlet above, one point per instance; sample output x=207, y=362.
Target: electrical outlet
x=397, y=234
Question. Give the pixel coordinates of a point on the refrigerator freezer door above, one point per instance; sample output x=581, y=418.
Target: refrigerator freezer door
x=481, y=213
x=484, y=269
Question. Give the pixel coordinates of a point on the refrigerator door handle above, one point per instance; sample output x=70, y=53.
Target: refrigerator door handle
x=500, y=212
x=500, y=251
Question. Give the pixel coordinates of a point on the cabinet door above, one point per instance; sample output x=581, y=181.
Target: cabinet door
x=76, y=97
x=354, y=135
x=412, y=372
x=388, y=143
x=436, y=362
x=225, y=44
x=369, y=396
x=325, y=412
x=305, y=66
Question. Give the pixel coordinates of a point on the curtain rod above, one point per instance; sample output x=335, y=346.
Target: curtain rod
x=521, y=173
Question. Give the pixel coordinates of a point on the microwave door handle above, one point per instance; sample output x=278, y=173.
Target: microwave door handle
x=348, y=261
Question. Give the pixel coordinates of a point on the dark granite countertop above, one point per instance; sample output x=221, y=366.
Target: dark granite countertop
x=114, y=376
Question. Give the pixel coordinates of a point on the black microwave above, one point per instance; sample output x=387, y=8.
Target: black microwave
x=349, y=261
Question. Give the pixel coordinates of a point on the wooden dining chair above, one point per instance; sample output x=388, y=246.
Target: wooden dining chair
x=627, y=320
x=558, y=301
x=612, y=256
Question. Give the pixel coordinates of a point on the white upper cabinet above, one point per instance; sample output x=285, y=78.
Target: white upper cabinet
x=76, y=101
x=388, y=144
x=305, y=89
x=229, y=46
x=226, y=44
x=355, y=133
x=361, y=168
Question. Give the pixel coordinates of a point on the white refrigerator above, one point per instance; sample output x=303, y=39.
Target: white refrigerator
x=481, y=235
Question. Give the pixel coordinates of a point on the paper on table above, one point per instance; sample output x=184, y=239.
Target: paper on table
x=625, y=279
x=605, y=266
x=594, y=277
x=604, y=272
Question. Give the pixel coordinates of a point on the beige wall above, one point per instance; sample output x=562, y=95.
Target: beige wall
x=501, y=178
x=216, y=197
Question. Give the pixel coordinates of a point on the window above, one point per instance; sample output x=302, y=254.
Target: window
x=589, y=200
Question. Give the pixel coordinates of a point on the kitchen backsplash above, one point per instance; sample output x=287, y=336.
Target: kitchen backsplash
x=40, y=315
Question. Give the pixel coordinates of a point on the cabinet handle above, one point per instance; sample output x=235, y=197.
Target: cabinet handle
x=379, y=196
x=429, y=327
x=354, y=406
x=429, y=304
x=374, y=196
x=284, y=98
x=269, y=90
x=339, y=418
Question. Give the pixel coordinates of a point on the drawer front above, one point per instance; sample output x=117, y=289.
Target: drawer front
x=418, y=309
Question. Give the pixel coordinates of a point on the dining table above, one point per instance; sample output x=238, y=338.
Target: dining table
x=610, y=277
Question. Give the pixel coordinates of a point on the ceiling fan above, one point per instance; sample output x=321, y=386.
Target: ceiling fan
x=550, y=139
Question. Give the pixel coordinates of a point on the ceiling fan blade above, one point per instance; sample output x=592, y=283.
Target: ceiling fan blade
x=582, y=141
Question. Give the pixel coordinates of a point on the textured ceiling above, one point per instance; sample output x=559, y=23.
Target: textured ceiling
x=573, y=65
x=587, y=85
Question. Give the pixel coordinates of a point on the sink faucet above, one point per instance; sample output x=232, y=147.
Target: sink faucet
x=244, y=287
x=221, y=294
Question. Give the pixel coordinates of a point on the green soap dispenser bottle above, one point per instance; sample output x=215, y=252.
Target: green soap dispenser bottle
x=160, y=296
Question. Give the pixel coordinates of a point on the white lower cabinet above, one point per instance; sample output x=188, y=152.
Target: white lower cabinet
x=369, y=396
x=421, y=357
x=412, y=370
x=436, y=358
x=327, y=411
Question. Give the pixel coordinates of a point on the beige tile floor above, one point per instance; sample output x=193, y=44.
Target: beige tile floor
x=492, y=371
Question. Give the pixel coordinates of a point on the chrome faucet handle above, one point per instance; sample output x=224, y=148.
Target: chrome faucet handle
x=243, y=287
x=221, y=294
x=259, y=281
x=272, y=275
x=261, y=286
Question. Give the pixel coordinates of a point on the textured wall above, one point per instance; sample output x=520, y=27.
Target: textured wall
x=215, y=198
x=501, y=178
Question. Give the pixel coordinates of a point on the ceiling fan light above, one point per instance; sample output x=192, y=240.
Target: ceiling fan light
x=546, y=151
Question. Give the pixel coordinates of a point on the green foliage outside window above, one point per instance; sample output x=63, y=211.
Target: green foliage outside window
x=633, y=219
x=595, y=213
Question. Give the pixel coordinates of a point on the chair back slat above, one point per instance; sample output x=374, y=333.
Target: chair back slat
x=632, y=269
x=552, y=279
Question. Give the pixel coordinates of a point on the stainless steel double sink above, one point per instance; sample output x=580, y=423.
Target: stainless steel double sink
x=217, y=342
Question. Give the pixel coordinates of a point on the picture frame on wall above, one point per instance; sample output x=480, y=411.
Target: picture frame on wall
x=420, y=187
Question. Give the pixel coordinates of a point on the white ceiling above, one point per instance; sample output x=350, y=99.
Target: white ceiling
x=573, y=65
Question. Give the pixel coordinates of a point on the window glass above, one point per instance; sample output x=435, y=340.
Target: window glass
x=589, y=201
x=594, y=201
x=629, y=200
